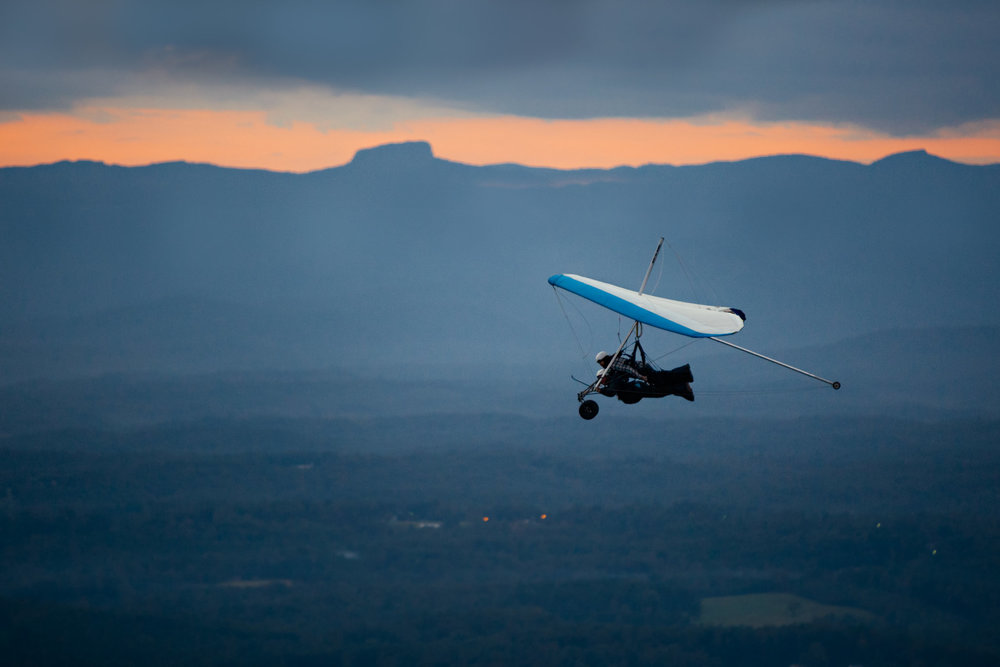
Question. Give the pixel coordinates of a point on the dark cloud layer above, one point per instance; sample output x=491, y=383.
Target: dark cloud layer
x=897, y=66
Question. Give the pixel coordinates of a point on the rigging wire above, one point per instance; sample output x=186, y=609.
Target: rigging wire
x=659, y=276
x=689, y=274
x=559, y=300
x=673, y=351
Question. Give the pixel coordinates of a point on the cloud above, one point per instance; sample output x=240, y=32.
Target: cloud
x=900, y=67
x=285, y=103
x=250, y=138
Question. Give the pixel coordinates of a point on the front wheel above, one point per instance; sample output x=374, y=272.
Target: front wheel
x=588, y=409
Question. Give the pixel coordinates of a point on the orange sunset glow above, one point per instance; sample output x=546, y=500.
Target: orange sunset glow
x=246, y=139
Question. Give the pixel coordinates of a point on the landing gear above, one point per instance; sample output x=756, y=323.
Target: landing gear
x=588, y=409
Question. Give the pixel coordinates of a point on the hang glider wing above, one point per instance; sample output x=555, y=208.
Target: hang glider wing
x=687, y=319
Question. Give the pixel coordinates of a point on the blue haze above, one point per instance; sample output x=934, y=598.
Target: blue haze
x=400, y=267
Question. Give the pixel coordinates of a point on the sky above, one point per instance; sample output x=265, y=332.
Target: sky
x=299, y=86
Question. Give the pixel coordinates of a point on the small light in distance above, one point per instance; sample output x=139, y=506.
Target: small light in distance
x=485, y=519
x=544, y=517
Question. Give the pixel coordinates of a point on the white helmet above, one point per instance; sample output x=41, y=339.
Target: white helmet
x=601, y=356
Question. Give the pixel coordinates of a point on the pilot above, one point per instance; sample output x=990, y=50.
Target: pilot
x=654, y=383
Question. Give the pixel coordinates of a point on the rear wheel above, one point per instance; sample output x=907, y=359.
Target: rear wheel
x=588, y=409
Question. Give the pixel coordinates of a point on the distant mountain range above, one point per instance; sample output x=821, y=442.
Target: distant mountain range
x=400, y=261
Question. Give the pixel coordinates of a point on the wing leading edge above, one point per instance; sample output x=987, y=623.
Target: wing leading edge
x=687, y=319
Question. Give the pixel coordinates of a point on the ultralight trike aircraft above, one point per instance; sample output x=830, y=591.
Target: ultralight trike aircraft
x=679, y=317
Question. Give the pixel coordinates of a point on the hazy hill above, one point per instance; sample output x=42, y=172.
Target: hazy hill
x=402, y=258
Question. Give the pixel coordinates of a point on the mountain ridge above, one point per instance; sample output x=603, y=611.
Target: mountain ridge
x=420, y=150
x=413, y=257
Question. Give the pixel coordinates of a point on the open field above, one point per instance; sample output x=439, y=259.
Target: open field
x=772, y=609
